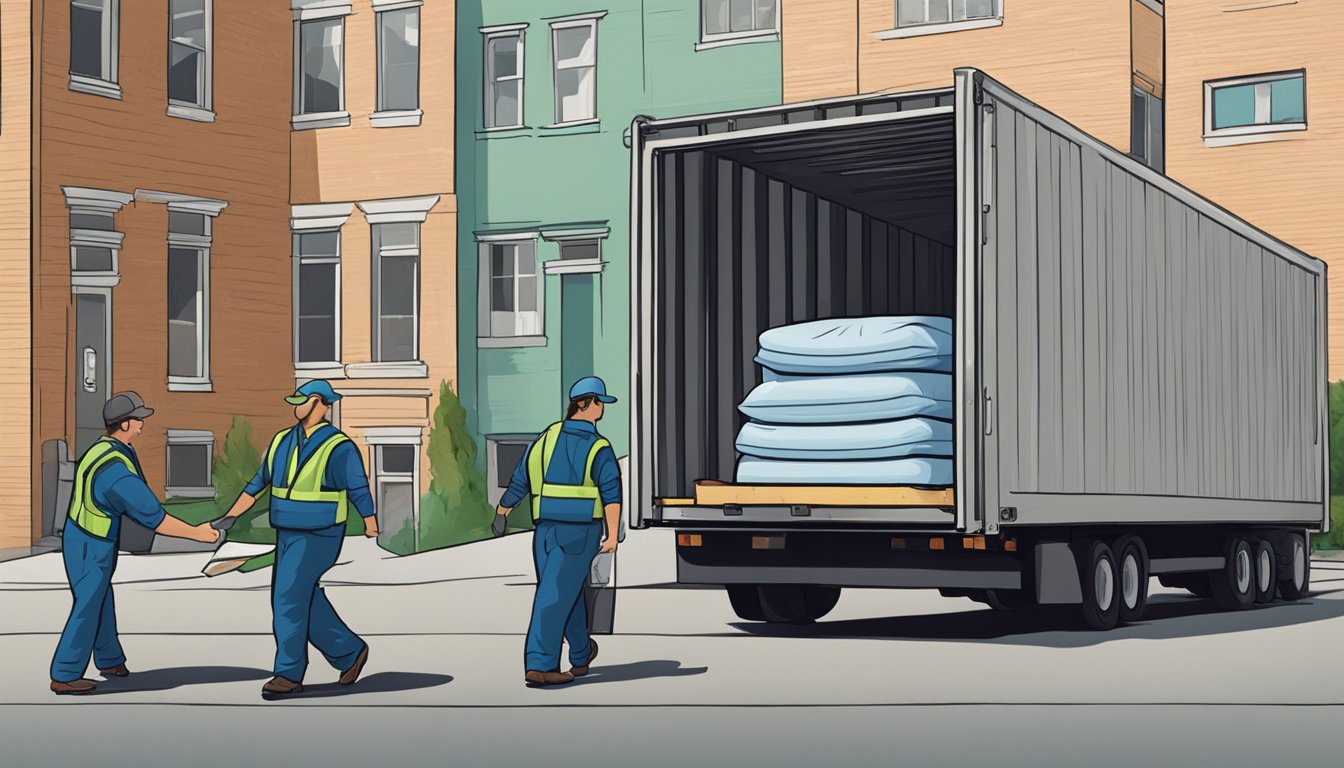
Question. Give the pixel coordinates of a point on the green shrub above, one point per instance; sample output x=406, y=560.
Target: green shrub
x=455, y=509
x=1335, y=538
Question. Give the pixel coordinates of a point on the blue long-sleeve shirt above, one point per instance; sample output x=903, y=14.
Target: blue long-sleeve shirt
x=345, y=468
x=118, y=492
x=566, y=468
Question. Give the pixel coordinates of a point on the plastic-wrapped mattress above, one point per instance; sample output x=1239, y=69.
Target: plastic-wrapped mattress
x=877, y=440
x=859, y=345
x=851, y=399
x=911, y=471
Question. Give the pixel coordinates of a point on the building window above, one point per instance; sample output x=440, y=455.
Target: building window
x=504, y=79
x=505, y=454
x=1251, y=106
x=399, y=60
x=189, y=63
x=317, y=305
x=511, y=290
x=93, y=47
x=94, y=244
x=1146, y=135
x=396, y=473
x=928, y=17
x=738, y=19
x=319, y=61
x=396, y=292
x=574, y=44
x=188, y=299
x=190, y=455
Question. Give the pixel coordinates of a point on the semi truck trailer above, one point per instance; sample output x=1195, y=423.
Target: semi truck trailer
x=1139, y=374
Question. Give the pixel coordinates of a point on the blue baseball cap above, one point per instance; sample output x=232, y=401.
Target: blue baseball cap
x=590, y=387
x=318, y=387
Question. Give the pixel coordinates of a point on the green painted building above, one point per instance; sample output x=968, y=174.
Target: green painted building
x=546, y=93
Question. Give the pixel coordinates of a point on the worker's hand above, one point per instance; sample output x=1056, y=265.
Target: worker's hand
x=499, y=526
x=608, y=545
x=224, y=523
x=371, y=527
x=206, y=534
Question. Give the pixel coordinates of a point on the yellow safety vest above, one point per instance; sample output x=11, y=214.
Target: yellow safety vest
x=539, y=460
x=294, y=487
x=83, y=512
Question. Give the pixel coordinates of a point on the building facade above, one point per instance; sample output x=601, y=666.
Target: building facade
x=181, y=217
x=546, y=95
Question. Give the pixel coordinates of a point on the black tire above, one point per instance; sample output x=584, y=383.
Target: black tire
x=1132, y=582
x=788, y=604
x=746, y=601
x=1097, y=577
x=1266, y=572
x=1295, y=577
x=1233, y=586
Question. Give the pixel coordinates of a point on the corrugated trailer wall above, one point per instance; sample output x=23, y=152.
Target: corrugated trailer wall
x=739, y=252
x=1138, y=346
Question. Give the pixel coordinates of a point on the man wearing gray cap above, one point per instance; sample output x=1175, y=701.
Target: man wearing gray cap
x=109, y=484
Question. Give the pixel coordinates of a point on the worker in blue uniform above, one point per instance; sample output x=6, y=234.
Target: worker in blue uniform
x=575, y=482
x=109, y=485
x=316, y=475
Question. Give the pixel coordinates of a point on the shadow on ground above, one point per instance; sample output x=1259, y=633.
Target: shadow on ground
x=1167, y=617
x=383, y=682
x=179, y=677
x=639, y=670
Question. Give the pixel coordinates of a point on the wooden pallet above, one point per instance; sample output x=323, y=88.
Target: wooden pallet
x=713, y=493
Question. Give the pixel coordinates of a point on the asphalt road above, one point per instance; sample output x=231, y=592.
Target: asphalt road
x=889, y=678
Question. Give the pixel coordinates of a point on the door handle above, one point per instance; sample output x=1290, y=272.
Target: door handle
x=989, y=413
x=90, y=369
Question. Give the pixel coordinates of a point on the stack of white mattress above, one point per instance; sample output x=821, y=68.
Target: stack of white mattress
x=853, y=401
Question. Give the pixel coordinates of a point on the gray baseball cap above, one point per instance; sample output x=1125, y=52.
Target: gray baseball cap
x=125, y=405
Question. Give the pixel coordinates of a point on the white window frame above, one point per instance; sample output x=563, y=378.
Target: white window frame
x=495, y=474
x=377, y=438
x=1260, y=131
x=573, y=22
x=397, y=118
x=318, y=368
x=402, y=210
x=201, y=245
x=311, y=218
x=489, y=80
x=97, y=202
x=563, y=266
x=111, y=38
x=898, y=32
x=308, y=11
x=711, y=40
x=485, y=336
x=178, y=437
x=204, y=111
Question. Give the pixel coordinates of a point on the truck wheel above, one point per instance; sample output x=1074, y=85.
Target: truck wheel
x=1097, y=575
x=787, y=604
x=746, y=601
x=1295, y=580
x=1233, y=587
x=1266, y=572
x=1133, y=581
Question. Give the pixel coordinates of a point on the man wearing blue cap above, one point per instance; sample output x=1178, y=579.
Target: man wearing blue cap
x=575, y=482
x=316, y=474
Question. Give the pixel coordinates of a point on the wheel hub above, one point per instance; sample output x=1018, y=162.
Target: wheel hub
x=1243, y=566
x=1129, y=581
x=1104, y=583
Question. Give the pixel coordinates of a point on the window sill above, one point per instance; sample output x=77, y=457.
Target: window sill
x=400, y=118
x=921, y=30
x=401, y=370
x=305, y=371
x=95, y=86
x=710, y=42
x=189, y=385
x=573, y=266
x=94, y=280
x=188, y=493
x=1252, y=134
x=319, y=120
x=569, y=129
x=504, y=132
x=189, y=112
x=507, y=342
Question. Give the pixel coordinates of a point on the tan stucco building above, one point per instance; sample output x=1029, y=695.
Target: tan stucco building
x=165, y=182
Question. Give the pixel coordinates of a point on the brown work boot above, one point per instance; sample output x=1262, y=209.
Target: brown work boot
x=73, y=688
x=349, y=676
x=118, y=671
x=280, y=686
x=542, y=679
x=580, y=671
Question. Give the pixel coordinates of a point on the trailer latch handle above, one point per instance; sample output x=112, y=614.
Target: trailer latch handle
x=989, y=413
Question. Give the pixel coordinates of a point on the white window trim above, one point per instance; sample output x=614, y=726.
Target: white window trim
x=573, y=22
x=325, y=369
x=397, y=118
x=709, y=41
x=180, y=203
x=398, y=210
x=1155, y=6
x=394, y=212
x=488, y=79
x=205, y=111
x=393, y=370
x=395, y=5
x=189, y=437
x=1250, y=134
x=98, y=86
x=939, y=28
x=484, y=279
x=494, y=472
x=573, y=266
x=394, y=118
x=91, y=200
x=319, y=216
x=393, y=435
x=377, y=437
x=328, y=9
x=200, y=244
x=553, y=235
x=510, y=342
x=102, y=202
